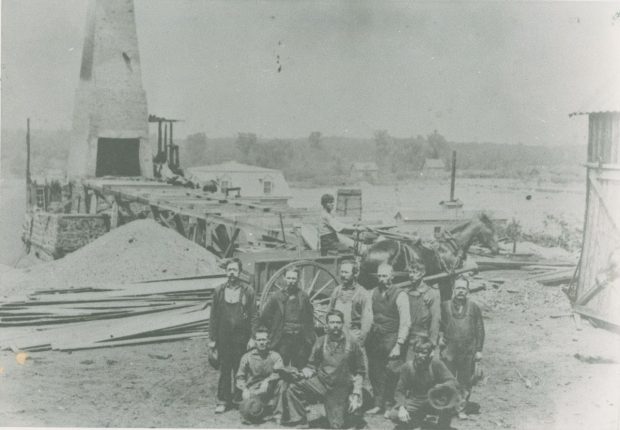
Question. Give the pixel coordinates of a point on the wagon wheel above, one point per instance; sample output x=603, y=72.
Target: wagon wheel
x=315, y=279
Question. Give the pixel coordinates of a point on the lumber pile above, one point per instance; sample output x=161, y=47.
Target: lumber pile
x=496, y=270
x=109, y=316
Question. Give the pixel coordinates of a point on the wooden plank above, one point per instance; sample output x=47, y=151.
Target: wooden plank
x=589, y=313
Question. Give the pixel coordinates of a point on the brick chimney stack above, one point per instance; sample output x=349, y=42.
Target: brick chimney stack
x=110, y=119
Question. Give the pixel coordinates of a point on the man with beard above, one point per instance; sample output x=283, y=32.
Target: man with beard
x=258, y=378
x=233, y=318
x=462, y=331
x=334, y=375
x=289, y=316
x=424, y=305
x=386, y=343
x=417, y=377
x=353, y=301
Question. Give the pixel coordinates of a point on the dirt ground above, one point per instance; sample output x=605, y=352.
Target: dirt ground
x=532, y=378
x=171, y=385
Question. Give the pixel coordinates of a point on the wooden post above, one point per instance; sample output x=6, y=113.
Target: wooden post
x=92, y=205
x=453, y=177
x=159, y=141
x=282, y=228
x=166, y=143
x=114, y=215
x=28, y=180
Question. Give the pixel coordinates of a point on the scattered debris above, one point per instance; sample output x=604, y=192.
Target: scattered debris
x=528, y=383
x=593, y=359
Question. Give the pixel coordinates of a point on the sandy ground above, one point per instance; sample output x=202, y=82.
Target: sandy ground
x=171, y=384
x=529, y=331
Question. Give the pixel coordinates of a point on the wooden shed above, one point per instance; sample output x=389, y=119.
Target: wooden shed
x=596, y=293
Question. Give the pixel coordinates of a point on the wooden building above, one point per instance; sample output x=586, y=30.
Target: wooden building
x=434, y=168
x=596, y=293
x=259, y=184
x=364, y=171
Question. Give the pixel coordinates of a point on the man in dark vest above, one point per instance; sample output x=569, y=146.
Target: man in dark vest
x=425, y=306
x=386, y=343
x=233, y=319
x=289, y=316
x=462, y=330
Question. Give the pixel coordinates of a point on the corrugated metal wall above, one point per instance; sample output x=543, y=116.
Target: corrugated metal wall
x=602, y=221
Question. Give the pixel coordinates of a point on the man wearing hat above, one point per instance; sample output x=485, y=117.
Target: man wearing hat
x=257, y=378
x=329, y=228
x=462, y=331
x=425, y=388
x=334, y=375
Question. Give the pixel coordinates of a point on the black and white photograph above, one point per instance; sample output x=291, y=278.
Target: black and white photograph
x=314, y=214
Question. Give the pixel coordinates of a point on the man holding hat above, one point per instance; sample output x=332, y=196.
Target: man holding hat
x=462, y=331
x=257, y=378
x=425, y=388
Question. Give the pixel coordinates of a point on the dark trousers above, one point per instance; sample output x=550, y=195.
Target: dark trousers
x=329, y=244
x=229, y=354
x=293, y=349
x=461, y=363
x=383, y=371
x=313, y=390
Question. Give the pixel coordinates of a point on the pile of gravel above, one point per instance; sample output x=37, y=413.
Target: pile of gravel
x=141, y=250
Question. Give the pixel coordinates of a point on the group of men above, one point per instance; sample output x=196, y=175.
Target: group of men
x=394, y=351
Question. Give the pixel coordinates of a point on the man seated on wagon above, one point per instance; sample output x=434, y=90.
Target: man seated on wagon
x=258, y=379
x=330, y=226
x=334, y=375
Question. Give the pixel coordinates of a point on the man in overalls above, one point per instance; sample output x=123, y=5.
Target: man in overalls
x=462, y=330
x=334, y=375
x=233, y=318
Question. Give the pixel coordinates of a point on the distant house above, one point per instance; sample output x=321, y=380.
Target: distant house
x=255, y=183
x=364, y=171
x=433, y=168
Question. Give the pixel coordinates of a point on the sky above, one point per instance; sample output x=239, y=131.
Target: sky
x=474, y=71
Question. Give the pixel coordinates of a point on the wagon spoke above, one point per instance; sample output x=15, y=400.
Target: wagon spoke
x=318, y=272
x=318, y=302
x=321, y=289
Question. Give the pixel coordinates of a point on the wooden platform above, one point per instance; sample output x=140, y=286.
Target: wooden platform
x=221, y=225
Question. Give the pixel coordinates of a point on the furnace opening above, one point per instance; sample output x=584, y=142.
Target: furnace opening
x=118, y=157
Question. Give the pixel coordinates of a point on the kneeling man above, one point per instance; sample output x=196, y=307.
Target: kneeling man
x=257, y=378
x=334, y=375
x=417, y=377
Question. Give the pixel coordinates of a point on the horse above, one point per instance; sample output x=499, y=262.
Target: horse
x=445, y=254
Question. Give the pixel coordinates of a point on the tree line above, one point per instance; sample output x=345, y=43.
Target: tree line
x=316, y=159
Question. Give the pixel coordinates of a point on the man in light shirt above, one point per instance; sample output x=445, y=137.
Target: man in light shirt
x=386, y=344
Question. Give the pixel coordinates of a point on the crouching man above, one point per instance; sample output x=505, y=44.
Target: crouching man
x=334, y=375
x=258, y=379
x=426, y=391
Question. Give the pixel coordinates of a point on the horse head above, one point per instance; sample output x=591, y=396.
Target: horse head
x=479, y=228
